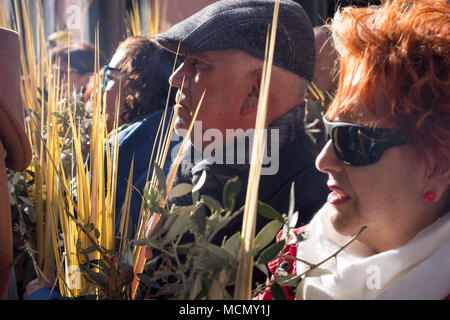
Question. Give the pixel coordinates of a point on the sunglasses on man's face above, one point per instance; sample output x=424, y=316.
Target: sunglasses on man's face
x=357, y=145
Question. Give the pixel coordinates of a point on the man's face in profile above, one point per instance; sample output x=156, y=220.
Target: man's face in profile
x=226, y=81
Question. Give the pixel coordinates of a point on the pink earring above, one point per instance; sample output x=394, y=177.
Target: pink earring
x=429, y=196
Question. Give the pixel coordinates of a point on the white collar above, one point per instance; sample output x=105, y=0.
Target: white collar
x=419, y=269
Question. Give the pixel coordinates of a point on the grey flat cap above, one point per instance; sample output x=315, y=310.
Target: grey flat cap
x=242, y=24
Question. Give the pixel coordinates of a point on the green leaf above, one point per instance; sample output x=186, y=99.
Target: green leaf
x=79, y=245
x=318, y=272
x=146, y=280
x=251, y=253
x=267, y=234
x=213, y=221
x=199, y=220
x=26, y=201
x=90, y=250
x=233, y=244
x=195, y=197
x=141, y=242
x=267, y=211
x=196, y=288
x=220, y=253
x=181, y=225
x=212, y=203
x=163, y=225
x=230, y=191
x=180, y=190
x=184, y=209
x=98, y=278
x=215, y=259
x=163, y=274
x=185, y=248
x=161, y=178
x=11, y=188
x=149, y=264
x=271, y=252
x=277, y=292
x=291, y=280
x=16, y=178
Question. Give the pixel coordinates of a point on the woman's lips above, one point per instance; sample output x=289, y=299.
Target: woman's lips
x=337, y=195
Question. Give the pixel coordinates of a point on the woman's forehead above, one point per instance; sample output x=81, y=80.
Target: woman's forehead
x=359, y=114
x=118, y=57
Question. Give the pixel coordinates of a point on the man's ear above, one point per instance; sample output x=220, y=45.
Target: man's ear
x=250, y=104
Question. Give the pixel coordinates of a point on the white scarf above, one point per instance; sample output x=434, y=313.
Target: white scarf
x=419, y=269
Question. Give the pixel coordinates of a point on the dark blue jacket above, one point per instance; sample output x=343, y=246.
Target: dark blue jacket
x=137, y=141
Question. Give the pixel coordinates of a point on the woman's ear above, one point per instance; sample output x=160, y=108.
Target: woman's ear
x=439, y=182
x=250, y=104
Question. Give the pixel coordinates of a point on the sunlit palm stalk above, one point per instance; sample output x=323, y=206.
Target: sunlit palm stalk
x=4, y=22
x=29, y=94
x=154, y=16
x=36, y=74
x=164, y=142
x=151, y=218
x=155, y=19
x=133, y=17
x=124, y=220
x=318, y=94
x=243, y=285
x=51, y=184
x=95, y=204
x=144, y=217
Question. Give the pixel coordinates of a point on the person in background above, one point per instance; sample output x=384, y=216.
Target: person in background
x=387, y=160
x=135, y=79
x=139, y=71
x=15, y=150
x=327, y=62
x=322, y=89
x=82, y=64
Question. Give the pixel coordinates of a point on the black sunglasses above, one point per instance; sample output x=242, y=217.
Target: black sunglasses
x=357, y=145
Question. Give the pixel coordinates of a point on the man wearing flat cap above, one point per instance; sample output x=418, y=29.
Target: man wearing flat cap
x=224, y=48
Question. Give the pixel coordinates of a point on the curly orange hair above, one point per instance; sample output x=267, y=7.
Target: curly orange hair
x=401, y=49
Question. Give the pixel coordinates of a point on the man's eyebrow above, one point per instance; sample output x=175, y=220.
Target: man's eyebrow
x=201, y=57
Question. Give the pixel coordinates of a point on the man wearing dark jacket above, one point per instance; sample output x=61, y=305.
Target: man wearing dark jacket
x=224, y=48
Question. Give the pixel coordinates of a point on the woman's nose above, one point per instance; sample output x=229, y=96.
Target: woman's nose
x=327, y=161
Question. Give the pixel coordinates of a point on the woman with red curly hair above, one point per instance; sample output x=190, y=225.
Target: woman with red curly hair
x=388, y=160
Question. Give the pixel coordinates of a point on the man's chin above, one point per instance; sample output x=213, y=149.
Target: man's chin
x=181, y=127
x=183, y=118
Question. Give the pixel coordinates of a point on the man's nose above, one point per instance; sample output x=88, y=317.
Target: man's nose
x=176, y=79
x=327, y=161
